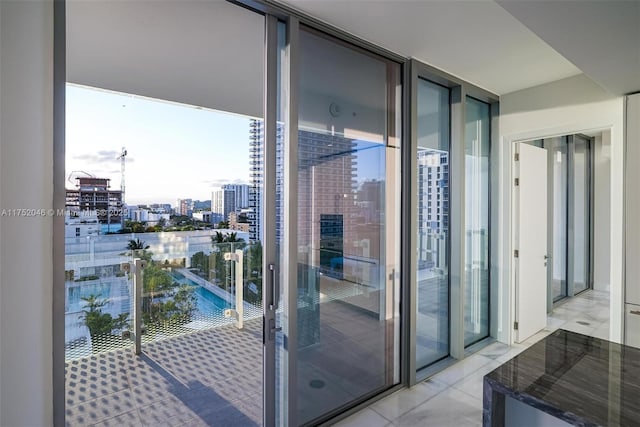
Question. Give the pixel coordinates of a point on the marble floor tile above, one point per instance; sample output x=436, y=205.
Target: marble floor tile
x=494, y=350
x=365, y=418
x=554, y=323
x=602, y=331
x=452, y=407
x=403, y=401
x=536, y=337
x=472, y=384
x=514, y=350
x=456, y=372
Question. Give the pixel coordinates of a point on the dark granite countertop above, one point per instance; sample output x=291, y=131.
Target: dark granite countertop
x=580, y=379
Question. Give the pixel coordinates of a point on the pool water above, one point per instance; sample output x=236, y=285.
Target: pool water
x=208, y=303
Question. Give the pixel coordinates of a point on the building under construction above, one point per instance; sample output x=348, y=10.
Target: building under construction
x=94, y=194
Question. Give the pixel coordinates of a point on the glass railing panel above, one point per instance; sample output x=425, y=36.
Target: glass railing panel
x=193, y=290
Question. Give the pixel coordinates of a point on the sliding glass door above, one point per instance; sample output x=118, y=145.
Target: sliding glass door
x=346, y=278
x=476, y=264
x=432, y=281
x=164, y=279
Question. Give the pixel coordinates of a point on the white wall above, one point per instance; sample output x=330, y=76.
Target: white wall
x=26, y=174
x=602, y=213
x=632, y=231
x=567, y=106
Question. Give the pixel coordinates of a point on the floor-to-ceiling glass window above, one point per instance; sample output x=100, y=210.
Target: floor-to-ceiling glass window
x=558, y=146
x=581, y=209
x=476, y=264
x=348, y=201
x=189, y=132
x=432, y=296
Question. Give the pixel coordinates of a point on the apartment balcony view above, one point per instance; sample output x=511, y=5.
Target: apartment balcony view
x=289, y=213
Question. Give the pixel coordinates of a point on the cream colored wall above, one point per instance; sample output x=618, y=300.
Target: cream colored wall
x=26, y=174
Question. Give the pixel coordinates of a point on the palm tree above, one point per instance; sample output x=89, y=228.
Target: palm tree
x=139, y=248
x=233, y=237
x=218, y=238
x=136, y=245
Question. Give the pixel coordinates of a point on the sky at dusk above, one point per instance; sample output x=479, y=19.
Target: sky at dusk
x=174, y=150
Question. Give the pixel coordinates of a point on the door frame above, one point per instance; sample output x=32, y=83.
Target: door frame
x=270, y=294
x=507, y=229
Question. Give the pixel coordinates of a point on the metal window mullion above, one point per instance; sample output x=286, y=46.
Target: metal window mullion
x=457, y=223
x=289, y=259
x=58, y=253
x=269, y=215
x=494, y=218
x=591, y=239
x=410, y=220
x=570, y=216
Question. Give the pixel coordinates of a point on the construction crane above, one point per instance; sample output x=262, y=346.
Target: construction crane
x=122, y=156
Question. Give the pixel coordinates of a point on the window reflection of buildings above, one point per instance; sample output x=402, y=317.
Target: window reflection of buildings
x=339, y=219
x=433, y=208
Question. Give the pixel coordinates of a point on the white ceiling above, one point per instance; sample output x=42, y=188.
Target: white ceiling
x=209, y=53
x=203, y=53
x=602, y=37
x=477, y=40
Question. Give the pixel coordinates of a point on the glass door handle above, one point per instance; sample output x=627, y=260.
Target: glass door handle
x=273, y=329
x=275, y=289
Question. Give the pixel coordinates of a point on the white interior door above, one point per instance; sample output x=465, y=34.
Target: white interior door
x=531, y=285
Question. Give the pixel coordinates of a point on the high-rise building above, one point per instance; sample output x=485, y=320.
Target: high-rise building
x=94, y=194
x=223, y=202
x=433, y=206
x=241, y=195
x=256, y=177
x=324, y=159
x=327, y=212
x=184, y=207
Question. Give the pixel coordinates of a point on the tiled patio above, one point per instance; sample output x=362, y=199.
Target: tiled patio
x=211, y=377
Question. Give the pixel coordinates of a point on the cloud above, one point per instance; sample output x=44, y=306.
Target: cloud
x=101, y=156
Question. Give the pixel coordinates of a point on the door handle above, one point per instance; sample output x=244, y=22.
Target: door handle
x=547, y=257
x=275, y=289
x=273, y=329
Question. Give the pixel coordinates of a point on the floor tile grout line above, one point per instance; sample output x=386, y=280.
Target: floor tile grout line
x=414, y=407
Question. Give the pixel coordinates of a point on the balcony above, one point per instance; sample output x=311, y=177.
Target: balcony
x=200, y=341
x=195, y=379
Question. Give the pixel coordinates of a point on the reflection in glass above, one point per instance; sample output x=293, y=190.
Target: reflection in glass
x=348, y=175
x=432, y=313
x=581, y=188
x=559, y=258
x=477, y=147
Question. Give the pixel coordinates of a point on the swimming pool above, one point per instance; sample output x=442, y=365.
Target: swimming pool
x=208, y=304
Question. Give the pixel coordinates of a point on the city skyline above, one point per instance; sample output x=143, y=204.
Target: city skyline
x=175, y=151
